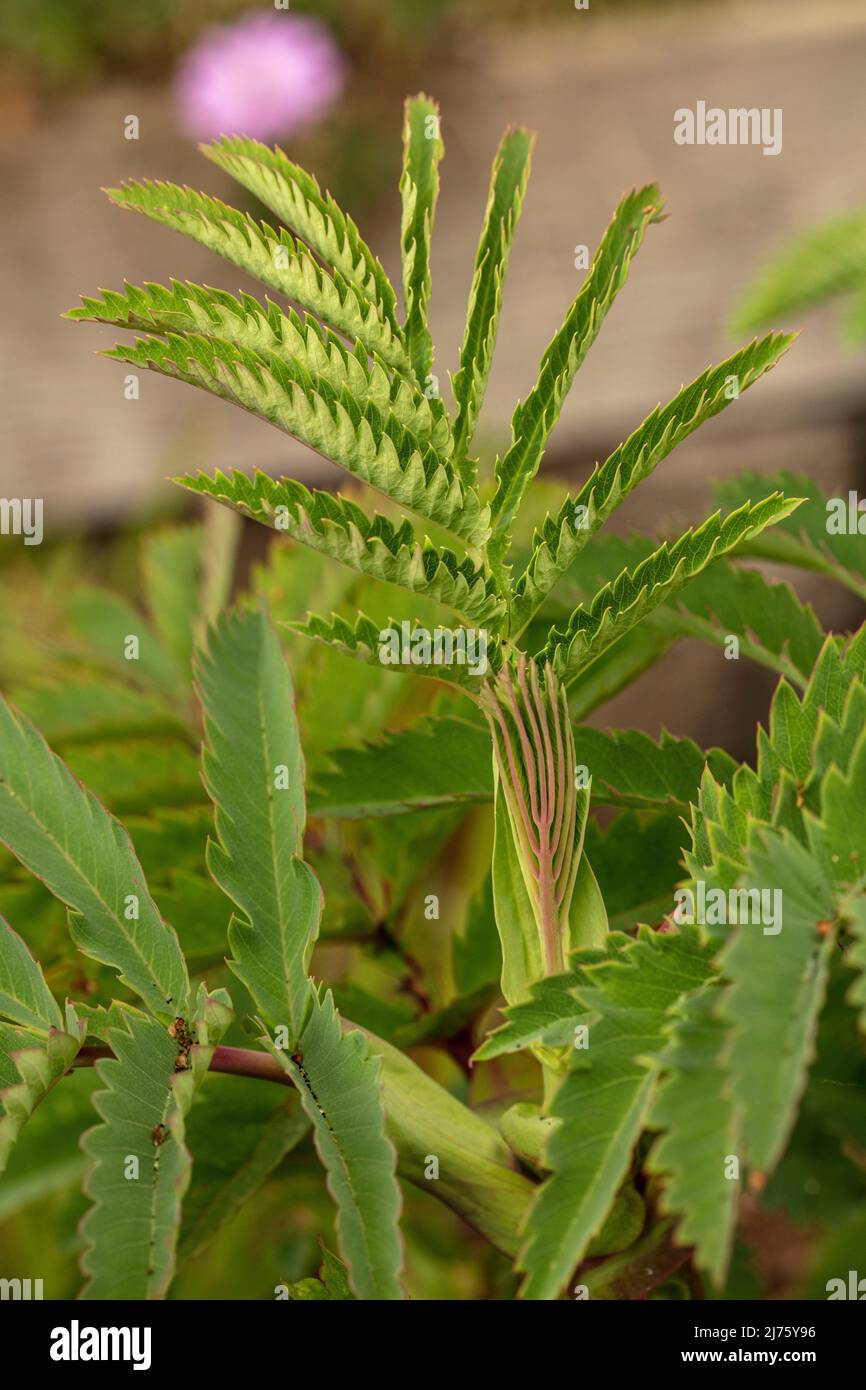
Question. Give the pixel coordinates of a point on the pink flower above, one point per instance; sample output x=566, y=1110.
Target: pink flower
x=265, y=76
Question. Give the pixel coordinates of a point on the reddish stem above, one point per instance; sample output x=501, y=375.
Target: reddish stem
x=232, y=1061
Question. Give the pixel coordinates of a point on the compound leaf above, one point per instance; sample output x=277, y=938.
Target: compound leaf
x=61, y=833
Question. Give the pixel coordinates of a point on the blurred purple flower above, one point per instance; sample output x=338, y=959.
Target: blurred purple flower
x=265, y=76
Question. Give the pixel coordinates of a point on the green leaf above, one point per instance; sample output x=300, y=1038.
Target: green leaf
x=140, y=1168
x=561, y=538
x=87, y=710
x=535, y=418
x=171, y=571
x=435, y=762
x=824, y=261
x=628, y=768
x=637, y=859
x=447, y=760
x=856, y=957
x=238, y=1131
x=374, y=448
x=694, y=1109
x=419, y=191
x=773, y=627
x=604, y=1100
x=363, y=639
x=259, y=328
x=254, y=774
x=331, y=1285
x=338, y=1082
x=504, y=203
x=105, y=621
x=295, y=197
x=547, y=1016
x=802, y=539
x=275, y=258
x=621, y=605
x=59, y=831
x=777, y=984
x=618, y=667
x=24, y=996
x=374, y=546
x=30, y=1066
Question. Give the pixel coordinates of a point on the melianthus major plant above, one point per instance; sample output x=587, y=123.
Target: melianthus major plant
x=666, y=1055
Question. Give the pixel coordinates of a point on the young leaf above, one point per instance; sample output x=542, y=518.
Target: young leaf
x=375, y=448
x=620, y=605
x=188, y=308
x=562, y=537
x=604, y=1100
x=696, y=1112
x=535, y=418
x=61, y=833
x=504, y=203
x=374, y=546
x=295, y=197
x=419, y=190
x=274, y=258
x=363, y=639
x=338, y=1082
x=24, y=996
x=254, y=774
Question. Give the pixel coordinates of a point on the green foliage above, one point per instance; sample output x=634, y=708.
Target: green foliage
x=275, y=258
x=804, y=538
x=619, y=606
x=419, y=191
x=140, y=1168
x=535, y=417
x=61, y=832
x=374, y=546
x=339, y=1089
x=604, y=1100
x=295, y=197
x=592, y=1139
x=254, y=774
x=508, y=182
x=562, y=538
x=826, y=262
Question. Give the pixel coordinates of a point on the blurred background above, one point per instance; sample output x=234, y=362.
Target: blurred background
x=599, y=85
